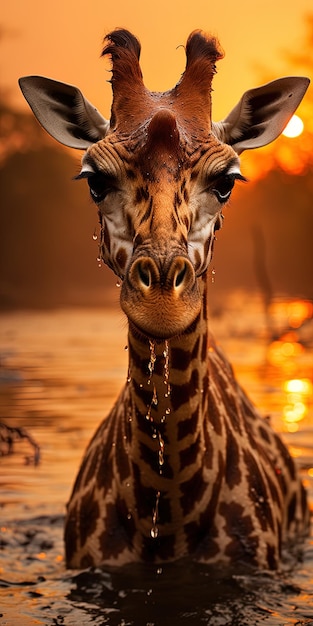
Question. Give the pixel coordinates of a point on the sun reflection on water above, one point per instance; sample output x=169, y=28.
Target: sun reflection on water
x=282, y=349
x=298, y=396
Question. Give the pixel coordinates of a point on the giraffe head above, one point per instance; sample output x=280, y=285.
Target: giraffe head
x=160, y=171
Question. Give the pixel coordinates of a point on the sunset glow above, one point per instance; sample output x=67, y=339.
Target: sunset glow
x=294, y=312
x=291, y=316
x=298, y=395
x=294, y=127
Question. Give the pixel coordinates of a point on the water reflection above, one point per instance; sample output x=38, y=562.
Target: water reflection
x=61, y=373
x=298, y=402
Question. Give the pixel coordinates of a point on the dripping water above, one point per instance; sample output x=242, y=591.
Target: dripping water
x=161, y=452
x=152, y=360
x=154, y=402
x=156, y=433
x=155, y=516
x=166, y=370
x=154, y=397
x=97, y=236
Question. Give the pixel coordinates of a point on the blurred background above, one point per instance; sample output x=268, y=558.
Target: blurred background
x=47, y=252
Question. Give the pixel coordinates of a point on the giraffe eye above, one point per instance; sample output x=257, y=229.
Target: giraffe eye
x=100, y=185
x=223, y=187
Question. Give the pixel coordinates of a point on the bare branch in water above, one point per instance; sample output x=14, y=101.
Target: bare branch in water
x=9, y=435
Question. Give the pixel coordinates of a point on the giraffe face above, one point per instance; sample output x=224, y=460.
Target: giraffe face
x=160, y=170
x=160, y=198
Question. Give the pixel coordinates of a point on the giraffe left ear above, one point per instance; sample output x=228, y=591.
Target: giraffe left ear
x=64, y=112
x=261, y=114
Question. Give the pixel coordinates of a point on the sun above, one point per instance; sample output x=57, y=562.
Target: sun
x=294, y=127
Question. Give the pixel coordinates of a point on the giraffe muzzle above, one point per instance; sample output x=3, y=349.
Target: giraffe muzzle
x=161, y=297
x=146, y=274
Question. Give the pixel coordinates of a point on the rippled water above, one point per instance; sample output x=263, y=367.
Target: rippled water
x=61, y=372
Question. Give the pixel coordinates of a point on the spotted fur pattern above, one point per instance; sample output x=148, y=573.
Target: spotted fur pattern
x=229, y=490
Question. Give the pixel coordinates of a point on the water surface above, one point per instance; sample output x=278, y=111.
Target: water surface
x=61, y=372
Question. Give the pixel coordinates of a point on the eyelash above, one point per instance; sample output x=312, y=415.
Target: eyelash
x=224, y=186
x=100, y=186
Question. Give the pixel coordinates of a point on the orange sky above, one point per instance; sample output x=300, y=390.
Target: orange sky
x=62, y=39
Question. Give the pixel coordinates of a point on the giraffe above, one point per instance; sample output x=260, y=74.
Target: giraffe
x=184, y=465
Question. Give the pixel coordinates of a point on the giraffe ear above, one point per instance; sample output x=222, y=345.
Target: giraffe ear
x=261, y=114
x=63, y=112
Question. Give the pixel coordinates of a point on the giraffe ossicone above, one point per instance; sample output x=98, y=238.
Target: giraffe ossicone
x=184, y=465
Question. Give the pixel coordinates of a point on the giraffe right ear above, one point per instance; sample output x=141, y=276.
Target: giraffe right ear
x=262, y=113
x=64, y=112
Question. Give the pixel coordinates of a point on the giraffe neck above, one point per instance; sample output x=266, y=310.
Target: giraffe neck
x=168, y=378
x=169, y=450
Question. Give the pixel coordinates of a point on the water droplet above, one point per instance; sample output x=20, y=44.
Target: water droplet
x=167, y=411
x=126, y=348
x=129, y=516
x=161, y=458
x=118, y=283
x=166, y=353
x=95, y=236
x=152, y=357
x=213, y=272
x=159, y=571
x=154, y=532
x=168, y=391
x=154, y=397
x=154, y=434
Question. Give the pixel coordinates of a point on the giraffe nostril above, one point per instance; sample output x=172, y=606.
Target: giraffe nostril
x=144, y=274
x=179, y=278
x=149, y=276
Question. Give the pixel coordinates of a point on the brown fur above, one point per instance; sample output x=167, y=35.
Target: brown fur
x=190, y=99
